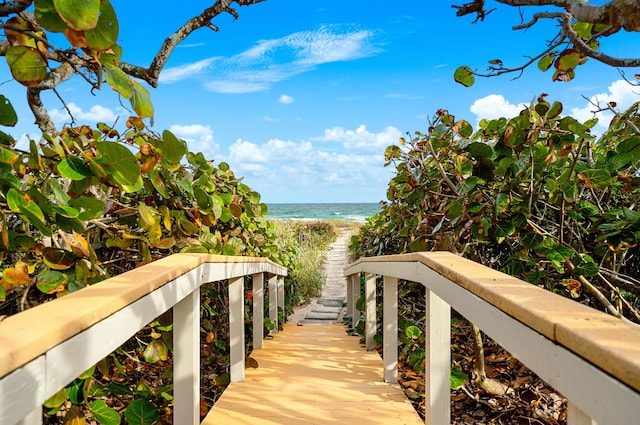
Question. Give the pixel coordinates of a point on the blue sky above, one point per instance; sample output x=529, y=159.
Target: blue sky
x=301, y=97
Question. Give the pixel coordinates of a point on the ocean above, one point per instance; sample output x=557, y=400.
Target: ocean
x=356, y=212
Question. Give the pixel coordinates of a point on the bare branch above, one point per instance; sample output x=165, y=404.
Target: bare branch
x=152, y=73
x=15, y=6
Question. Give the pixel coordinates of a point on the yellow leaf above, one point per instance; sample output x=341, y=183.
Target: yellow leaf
x=74, y=416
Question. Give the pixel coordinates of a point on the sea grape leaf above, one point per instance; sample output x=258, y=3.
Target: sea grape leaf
x=51, y=281
x=29, y=209
x=47, y=17
x=546, y=61
x=458, y=377
x=103, y=413
x=118, y=80
x=7, y=156
x=141, y=101
x=463, y=128
x=57, y=258
x=8, y=115
x=26, y=64
x=568, y=60
x=464, y=76
x=119, y=163
x=73, y=168
x=478, y=150
x=79, y=15
x=156, y=351
x=89, y=208
x=595, y=178
x=172, y=148
x=141, y=412
x=105, y=34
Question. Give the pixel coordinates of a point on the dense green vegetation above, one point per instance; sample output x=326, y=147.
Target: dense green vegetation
x=310, y=240
x=536, y=196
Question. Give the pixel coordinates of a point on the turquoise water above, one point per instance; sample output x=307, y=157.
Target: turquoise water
x=357, y=212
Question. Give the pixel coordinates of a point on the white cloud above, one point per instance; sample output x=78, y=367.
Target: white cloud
x=95, y=113
x=285, y=99
x=315, y=166
x=495, y=106
x=177, y=73
x=235, y=87
x=199, y=138
x=271, y=61
x=362, y=139
x=620, y=92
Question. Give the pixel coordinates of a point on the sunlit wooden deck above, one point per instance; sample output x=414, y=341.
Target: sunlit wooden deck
x=313, y=374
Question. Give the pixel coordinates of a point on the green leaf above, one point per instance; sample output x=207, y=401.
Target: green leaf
x=47, y=17
x=172, y=148
x=413, y=332
x=464, y=76
x=26, y=64
x=118, y=80
x=595, y=178
x=57, y=399
x=478, y=150
x=463, y=128
x=73, y=168
x=89, y=208
x=105, y=33
x=555, y=110
x=103, y=413
x=119, y=163
x=546, y=61
x=58, y=259
x=141, y=101
x=568, y=60
x=80, y=15
x=8, y=115
x=204, y=200
x=156, y=351
x=17, y=203
x=158, y=183
x=141, y=412
x=458, y=377
x=7, y=156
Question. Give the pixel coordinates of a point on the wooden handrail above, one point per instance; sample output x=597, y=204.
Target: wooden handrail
x=44, y=348
x=592, y=358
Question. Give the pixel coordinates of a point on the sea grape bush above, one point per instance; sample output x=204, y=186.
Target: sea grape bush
x=536, y=196
x=90, y=203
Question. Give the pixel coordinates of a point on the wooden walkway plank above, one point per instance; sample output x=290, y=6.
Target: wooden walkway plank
x=313, y=374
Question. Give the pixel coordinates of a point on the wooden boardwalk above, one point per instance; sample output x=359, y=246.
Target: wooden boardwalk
x=313, y=374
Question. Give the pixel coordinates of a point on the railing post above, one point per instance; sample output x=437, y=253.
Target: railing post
x=258, y=310
x=390, y=329
x=236, y=329
x=281, y=293
x=438, y=360
x=350, y=301
x=273, y=302
x=355, y=287
x=575, y=416
x=370, y=294
x=33, y=418
x=186, y=359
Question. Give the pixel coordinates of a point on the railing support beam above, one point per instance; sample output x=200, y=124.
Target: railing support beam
x=236, y=329
x=438, y=360
x=370, y=296
x=258, y=310
x=390, y=330
x=355, y=296
x=575, y=416
x=186, y=361
x=273, y=302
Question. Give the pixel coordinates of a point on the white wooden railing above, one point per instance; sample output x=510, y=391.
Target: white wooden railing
x=44, y=348
x=593, y=359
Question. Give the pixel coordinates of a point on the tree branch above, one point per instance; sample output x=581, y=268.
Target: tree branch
x=152, y=73
x=15, y=6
